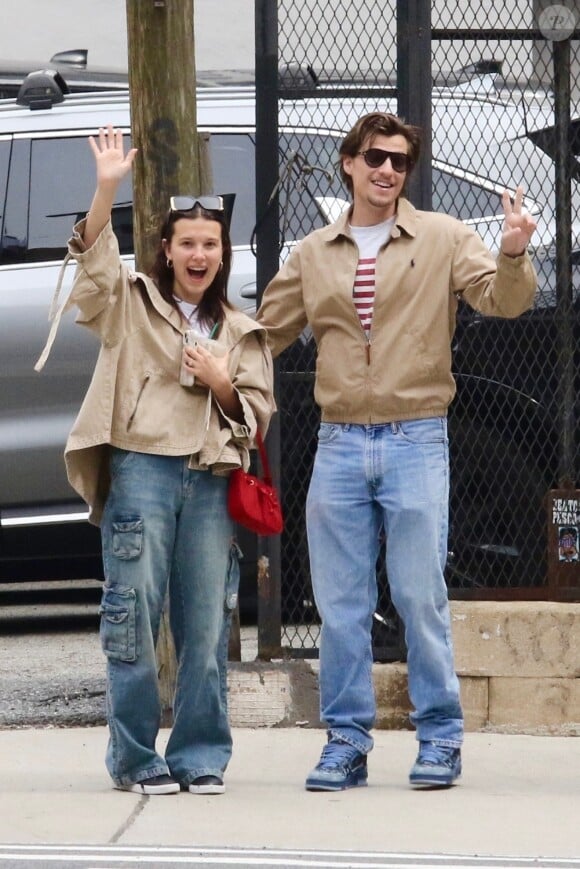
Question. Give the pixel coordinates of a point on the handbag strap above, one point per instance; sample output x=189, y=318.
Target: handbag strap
x=264, y=459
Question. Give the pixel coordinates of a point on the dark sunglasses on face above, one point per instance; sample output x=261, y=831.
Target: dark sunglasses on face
x=375, y=157
x=188, y=203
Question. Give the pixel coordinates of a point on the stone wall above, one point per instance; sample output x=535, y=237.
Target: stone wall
x=518, y=665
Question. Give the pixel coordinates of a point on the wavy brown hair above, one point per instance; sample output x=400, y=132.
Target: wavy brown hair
x=378, y=124
x=214, y=300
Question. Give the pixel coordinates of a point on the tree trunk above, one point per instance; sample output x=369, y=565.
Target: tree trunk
x=162, y=85
x=172, y=159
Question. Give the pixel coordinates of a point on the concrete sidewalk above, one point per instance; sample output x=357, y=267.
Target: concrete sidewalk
x=519, y=797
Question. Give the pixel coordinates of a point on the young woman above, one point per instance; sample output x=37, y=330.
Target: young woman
x=151, y=457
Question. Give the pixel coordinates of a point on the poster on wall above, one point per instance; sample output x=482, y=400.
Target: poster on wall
x=564, y=538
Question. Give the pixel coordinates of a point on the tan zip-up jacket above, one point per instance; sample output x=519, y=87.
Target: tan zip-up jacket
x=404, y=370
x=134, y=400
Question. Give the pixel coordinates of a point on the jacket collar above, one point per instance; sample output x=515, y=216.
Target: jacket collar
x=236, y=321
x=405, y=221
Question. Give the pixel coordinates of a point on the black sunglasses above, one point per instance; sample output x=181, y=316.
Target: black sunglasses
x=188, y=203
x=375, y=157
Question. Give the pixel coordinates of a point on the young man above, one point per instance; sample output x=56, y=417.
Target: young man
x=380, y=289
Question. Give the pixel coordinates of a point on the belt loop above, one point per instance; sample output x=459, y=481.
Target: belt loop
x=394, y=428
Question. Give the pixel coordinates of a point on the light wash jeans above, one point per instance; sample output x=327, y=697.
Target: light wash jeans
x=365, y=476
x=165, y=526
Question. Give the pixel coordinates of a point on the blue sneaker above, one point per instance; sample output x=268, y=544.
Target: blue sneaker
x=341, y=766
x=437, y=766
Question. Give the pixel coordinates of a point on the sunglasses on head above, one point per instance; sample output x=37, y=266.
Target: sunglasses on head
x=188, y=203
x=375, y=157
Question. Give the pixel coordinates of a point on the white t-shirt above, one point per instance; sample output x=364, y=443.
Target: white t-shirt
x=369, y=240
x=190, y=312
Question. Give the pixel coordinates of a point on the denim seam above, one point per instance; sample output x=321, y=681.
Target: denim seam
x=202, y=771
x=337, y=734
x=125, y=780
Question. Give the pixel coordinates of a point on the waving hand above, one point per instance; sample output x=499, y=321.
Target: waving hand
x=112, y=165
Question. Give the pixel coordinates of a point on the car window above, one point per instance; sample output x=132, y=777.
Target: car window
x=58, y=196
x=13, y=241
x=232, y=160
x=60, y=177
x=462, y=198
x=38, y=228
x=4, y=161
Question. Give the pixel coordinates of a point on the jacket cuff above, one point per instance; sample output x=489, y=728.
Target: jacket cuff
x=77, y=246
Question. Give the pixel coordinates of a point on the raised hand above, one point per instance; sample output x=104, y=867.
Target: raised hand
x=112, y=165
x=518, y=227
x=111, y=161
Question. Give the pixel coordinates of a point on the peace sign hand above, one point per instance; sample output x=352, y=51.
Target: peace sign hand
x=517, y=228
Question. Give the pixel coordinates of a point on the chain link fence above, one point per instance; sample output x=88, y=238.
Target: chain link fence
x=500, y=112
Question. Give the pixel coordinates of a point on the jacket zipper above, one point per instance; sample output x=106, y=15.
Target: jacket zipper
x=140, y=393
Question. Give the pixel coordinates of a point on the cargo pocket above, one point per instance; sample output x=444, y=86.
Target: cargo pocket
x=117, y=631
x=127, y=538
x=232, y=579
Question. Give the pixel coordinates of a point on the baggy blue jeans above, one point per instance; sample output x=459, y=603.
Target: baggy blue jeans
x=166, y=527
x=366, y=477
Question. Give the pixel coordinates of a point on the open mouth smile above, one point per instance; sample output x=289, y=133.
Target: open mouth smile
x=197, y=274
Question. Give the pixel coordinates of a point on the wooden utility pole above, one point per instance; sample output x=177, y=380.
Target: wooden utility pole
x=162, y=84
x=171, y=160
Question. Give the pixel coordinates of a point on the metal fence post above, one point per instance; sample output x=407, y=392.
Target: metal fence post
x=564, y=299
x=563, y=569
x=414, y=88
x=267, y=246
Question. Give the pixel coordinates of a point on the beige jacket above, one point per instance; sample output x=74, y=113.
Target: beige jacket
x=404, y=370
x=134, y=400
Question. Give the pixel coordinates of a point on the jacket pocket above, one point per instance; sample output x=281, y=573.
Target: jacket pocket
x=118, y=623
x=144, y=383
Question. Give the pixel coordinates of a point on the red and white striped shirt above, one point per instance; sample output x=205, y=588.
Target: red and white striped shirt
x=369, y=240
x=363, y=293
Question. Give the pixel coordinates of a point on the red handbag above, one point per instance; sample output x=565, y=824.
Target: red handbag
x=253, y=502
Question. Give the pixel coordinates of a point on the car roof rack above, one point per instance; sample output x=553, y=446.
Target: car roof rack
x=42, y=89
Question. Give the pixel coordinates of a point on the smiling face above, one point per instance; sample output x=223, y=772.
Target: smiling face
x=195, y=250
x=375, y=191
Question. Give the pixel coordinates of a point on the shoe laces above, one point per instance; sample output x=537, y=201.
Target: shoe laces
x=337, y=753
x=432, y=754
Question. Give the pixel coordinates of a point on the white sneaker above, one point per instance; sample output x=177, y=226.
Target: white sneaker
x=158, y=784
x=207, y=784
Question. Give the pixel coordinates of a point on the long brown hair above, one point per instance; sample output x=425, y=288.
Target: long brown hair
x=214, y=300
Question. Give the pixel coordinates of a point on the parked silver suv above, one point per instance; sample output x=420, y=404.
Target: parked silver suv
x=46, y=184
